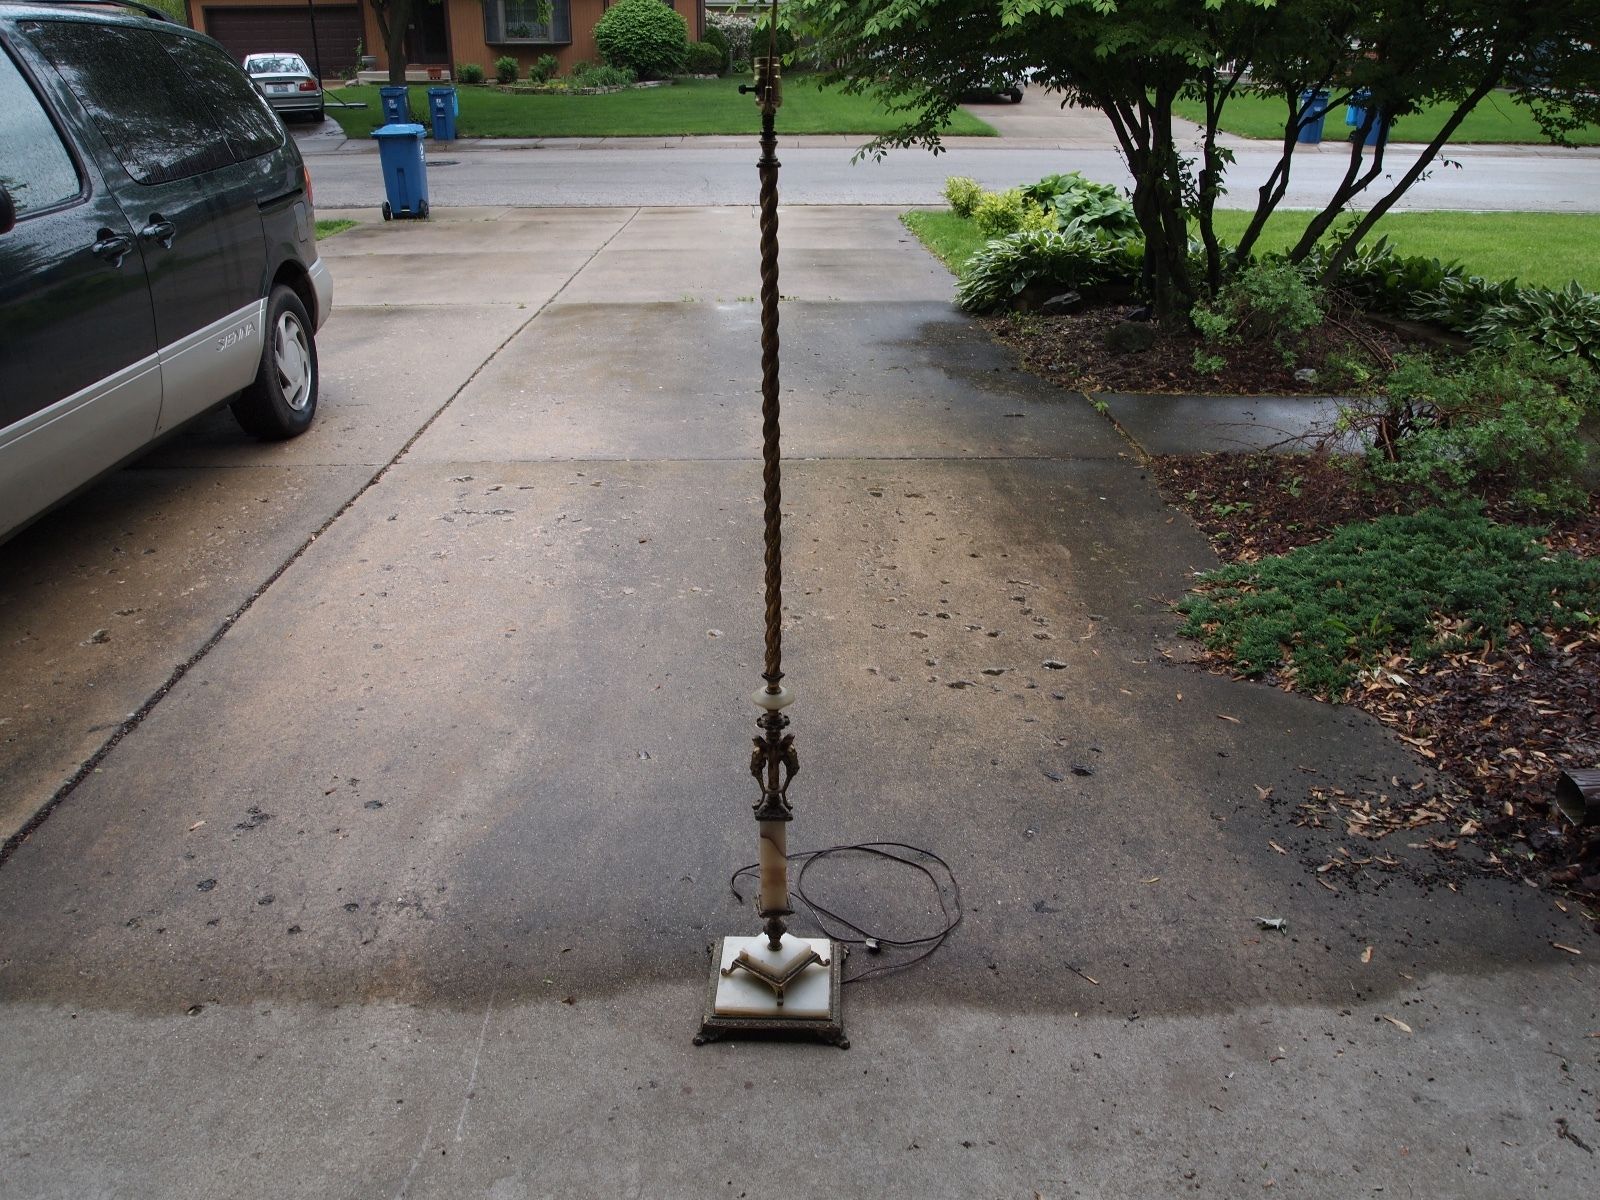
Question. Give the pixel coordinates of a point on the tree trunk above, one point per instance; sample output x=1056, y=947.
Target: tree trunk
x=393, y=17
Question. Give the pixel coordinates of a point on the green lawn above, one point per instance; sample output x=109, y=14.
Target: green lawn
x=1535, y=248
x=689, y=107
x=332, y=225
x=1497, y=119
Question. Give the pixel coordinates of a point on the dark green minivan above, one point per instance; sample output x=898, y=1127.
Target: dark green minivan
x=158, y=249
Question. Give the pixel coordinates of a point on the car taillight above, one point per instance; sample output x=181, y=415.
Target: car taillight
x=308, y=85
x=305, y=174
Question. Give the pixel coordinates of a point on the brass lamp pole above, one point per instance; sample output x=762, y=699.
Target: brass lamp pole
x=776, y=983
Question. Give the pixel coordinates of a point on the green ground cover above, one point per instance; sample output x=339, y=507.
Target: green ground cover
x=693, y=106
x=1546, y=249
x=1498, y=119
x=327, y=228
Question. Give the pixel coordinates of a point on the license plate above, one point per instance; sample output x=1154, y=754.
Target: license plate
x=280, y=88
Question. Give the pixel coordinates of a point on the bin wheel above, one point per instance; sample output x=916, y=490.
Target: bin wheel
x=388, y=213
x=422, y=209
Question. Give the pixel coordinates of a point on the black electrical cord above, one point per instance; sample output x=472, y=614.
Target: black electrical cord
x=873, y=942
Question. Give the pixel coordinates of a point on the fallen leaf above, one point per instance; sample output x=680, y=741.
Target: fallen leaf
x=1276, y=847
x=1263, y=793
x=1567, y=948
x=1397, y=1023
x=1152, y=879
x=1225, y=717
x=1366, y=955
x=1327, y=885
x=195, y=826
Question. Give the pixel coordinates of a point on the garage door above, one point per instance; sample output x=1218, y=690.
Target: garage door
x=250, y=30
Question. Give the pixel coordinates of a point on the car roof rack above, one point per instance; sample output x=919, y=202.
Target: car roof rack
x=155, y=14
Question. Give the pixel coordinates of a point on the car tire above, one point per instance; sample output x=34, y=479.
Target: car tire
x=282, y=400
x=1016, y=95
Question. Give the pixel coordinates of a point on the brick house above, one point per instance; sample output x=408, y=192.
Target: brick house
x=441, y=34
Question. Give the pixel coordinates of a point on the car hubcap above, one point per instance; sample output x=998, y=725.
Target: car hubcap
x=292, y=356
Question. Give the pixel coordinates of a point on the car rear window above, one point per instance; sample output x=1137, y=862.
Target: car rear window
x=167, y=108
x=275, y=64
x=37, y=168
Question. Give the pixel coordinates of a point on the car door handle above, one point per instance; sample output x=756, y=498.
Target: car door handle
x=112, y=247
x=159, y=230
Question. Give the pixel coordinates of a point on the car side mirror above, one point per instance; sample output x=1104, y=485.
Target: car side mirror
x=8, y=211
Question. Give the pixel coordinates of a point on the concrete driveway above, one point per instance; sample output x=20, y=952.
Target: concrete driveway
x=401, y=884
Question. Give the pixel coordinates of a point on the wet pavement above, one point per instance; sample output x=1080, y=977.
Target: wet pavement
x=402, y=885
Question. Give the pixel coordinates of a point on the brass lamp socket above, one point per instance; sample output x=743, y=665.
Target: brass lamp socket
x=768, y=83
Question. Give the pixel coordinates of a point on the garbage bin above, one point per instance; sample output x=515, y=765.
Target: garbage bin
x=396, y=104
x=443, y=108
x=405, y=171
x=1356, y=112
x=1313, y=111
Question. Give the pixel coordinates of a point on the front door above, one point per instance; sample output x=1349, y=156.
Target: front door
x=427, y=40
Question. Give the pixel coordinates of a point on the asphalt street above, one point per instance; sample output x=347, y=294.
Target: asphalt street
x=1037, y=138
x=400, y=771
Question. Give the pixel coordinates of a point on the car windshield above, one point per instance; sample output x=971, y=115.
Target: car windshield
x=276, y=64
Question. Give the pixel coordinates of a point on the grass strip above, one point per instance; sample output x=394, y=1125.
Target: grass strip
x=688, y=107
x=1498, y=119
x=326, y=228
x=1542, y=249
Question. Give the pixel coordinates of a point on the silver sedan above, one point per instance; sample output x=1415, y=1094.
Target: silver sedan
x=288, y=83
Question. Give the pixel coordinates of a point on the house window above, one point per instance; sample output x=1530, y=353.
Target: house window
x=519, y=21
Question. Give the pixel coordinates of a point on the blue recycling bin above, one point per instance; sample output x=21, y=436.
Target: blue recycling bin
x=1356, y=112
x=396, y=104
x=443, y=108
x=405, y=170
x=1313, y=112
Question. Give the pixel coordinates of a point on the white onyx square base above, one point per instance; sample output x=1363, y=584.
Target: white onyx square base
x=743, y=995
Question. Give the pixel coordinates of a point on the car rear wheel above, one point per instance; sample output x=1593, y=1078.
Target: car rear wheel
x=283, y=399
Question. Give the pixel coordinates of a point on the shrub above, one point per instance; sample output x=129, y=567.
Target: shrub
x=703, y=59
x=644, y=36
x=543, y=69
x=999, y=213
x=469, y=73
x=1505, y=420
x=1004, y=267
x=1079, y=203
x=962, y=194
x=715, y=37
x=1561, y=322
x=600, y=75
x=736, y=32
x=1265, y=301
x=1436, y=581
x=505, y=69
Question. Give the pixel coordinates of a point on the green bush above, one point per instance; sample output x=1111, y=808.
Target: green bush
x=600, y=75
x=469, y=73
x=1437, y=581
x=1004, y=267
x=505, y=69
x=1561, y=322
x=644, y=36
x=715, y=37
x=1079, y=203
x=962, y=194
x=1000, y=213
x=543, y=69
x=1266, y=301
x=1506, y=420
x=703, y=59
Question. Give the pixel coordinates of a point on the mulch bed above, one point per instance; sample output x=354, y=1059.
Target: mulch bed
x=1497, y=725
x=1072, y=351
x=1500, y=725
